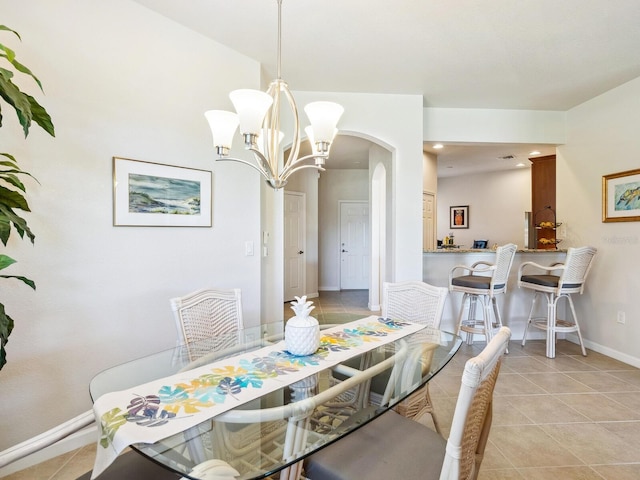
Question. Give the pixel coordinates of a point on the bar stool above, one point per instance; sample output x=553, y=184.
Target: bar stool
x=572, y=277
x=483, y=282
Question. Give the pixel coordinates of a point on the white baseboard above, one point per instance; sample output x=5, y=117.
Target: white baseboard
x=74, y=441
x=329, y=289
x=609, y=352
x=313, y=295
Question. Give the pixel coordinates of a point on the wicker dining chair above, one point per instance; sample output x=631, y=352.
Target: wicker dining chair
x=203, y=315
x=421, y=303
x=392, y=446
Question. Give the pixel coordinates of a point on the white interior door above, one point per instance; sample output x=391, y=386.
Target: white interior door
x=354, y=245
x=294, y=245
x=428, y=221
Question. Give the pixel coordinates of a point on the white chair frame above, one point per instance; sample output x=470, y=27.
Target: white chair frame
x=499, y=276
x=571, y=278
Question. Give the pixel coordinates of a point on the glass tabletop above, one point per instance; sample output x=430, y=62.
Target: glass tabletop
x=277, y=430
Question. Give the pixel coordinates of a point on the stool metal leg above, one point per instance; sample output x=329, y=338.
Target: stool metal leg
x=575, y=320
x=551, y=325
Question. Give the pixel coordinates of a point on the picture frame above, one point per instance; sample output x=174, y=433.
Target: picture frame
x=621, y=197
x=147, y=194
x=459, y=216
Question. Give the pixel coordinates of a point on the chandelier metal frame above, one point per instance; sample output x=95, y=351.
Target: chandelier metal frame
x=265, y=145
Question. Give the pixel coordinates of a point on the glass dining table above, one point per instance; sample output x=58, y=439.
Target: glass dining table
x=305, y=408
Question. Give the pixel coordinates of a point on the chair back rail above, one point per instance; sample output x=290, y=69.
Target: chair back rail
x=414, y=301
x=577, y=266
x=205, y=314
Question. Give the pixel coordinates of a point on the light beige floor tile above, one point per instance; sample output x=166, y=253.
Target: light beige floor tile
x=629, y=400
x=568, y=363
x=593, y=443
x=535, y=347
x=504, y=413
x=502, y=474
x=563, y=347
x=602, y=362
x=517, y=350
x=619, y=472
x=79, y=464
x=516, y=384
x=629, y=432
x=494, y=458
x=604, y=381
x=556, y=383
x=630, y=376
x=563, y=473
x=531, y=446
x=545, y=409
x=44, y=470
x=598, y=407
x=448, y=385
x=526, y=364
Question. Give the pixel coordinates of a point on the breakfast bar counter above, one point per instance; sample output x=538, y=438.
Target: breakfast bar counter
x=514, y=305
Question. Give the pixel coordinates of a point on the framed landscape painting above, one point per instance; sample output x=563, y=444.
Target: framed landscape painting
x=156, y=195
x=621, y=197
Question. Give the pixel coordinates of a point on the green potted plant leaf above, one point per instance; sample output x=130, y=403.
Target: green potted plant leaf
x=12, y=190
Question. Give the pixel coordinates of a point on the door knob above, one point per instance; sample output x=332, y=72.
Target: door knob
x=343, y=250
x=300, y=252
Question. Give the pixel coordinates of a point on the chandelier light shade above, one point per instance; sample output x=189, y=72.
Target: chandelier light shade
x=258, y=115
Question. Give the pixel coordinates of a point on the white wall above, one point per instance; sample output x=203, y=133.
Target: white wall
x=429, y=172
x=491, y=125
x=602, y=138
x=335, y=185
x=119, y=80
x=395, y=122
x=497, y=202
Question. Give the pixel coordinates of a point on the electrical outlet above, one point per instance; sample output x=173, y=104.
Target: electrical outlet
x=621, y=317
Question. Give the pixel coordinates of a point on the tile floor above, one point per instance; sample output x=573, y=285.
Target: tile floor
x=571, y=417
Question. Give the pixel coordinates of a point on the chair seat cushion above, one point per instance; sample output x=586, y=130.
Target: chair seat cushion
x=546, y=281
x=474, y=281
x=133, y=466
x=418, y=452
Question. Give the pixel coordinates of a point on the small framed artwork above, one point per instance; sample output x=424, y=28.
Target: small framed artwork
x=621, y=197
x=459, y=216
x=155, y=195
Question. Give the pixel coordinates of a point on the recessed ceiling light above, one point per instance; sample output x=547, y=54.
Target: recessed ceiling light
x=535, y=152
x=520, y=164
x=438, y=146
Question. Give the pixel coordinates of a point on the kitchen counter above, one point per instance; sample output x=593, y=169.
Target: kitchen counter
x=460, y=249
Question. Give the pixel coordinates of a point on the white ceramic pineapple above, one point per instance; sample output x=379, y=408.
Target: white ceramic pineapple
x=302, y=332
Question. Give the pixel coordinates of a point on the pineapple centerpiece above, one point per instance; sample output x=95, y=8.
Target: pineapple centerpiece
x=302, y=332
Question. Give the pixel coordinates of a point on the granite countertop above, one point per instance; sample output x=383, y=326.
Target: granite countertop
x=489, y=250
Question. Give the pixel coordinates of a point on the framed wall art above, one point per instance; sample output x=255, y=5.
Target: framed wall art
x=459, y=216
x=155, y=195
x=621, y=197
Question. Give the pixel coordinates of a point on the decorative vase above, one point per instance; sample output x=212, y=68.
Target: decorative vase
x=302, y=332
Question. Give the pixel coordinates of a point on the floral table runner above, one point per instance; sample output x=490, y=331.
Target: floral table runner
x=156, y=410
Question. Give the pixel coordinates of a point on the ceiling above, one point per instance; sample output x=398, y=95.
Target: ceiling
x=500, y=54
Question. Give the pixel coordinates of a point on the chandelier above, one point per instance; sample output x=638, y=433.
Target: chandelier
x=258, y=114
